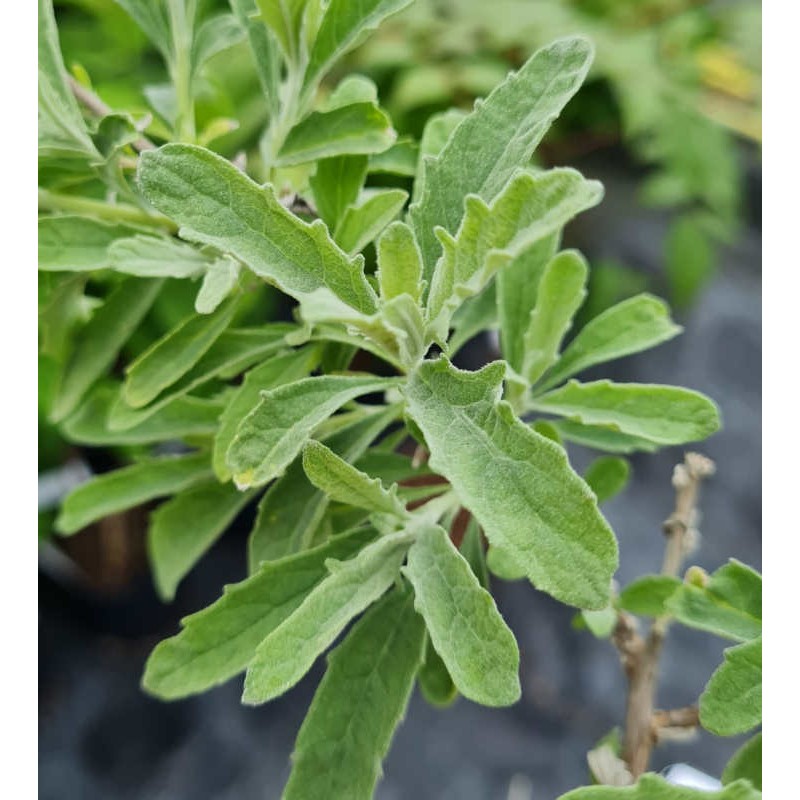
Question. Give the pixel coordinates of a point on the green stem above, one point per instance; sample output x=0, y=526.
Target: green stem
x=117, y=212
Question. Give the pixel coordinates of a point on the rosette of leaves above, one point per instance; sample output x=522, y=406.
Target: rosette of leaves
x=273, y=414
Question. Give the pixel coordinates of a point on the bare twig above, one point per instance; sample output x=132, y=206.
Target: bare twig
x=644, y=726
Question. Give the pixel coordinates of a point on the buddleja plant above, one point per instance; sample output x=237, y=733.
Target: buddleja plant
x=349, y=529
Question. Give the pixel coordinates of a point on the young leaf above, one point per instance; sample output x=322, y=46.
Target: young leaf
x=399, y=263
x=76, y=244
x=216, y=204
x=636, y=324
x=125, y=488
x=517, y=484
x=336, y=184
x=291, y=510
x=363, y=222
x=662, y=414
x=475, y=316
x=184, y=528
x=466, y=629
x=172, y=356
x=290, y=650
x=497, y=138
x=274, y=432
x=560, y=293
x=220, y=278
x=357, y=129
x=344, y=483
x=344, y=25
x=285, y=19
x=434, y=680
x=352, y=89
x=601, y=622
x=280, y=369
x=607, y=476
x=648, y=595
x=731, y=702
x=221, y=640
x=654, y=787
x=156, y=257
x=745, y=764
x=217, y=34
x=359, y=703
x=100, y=340
x=529, y=208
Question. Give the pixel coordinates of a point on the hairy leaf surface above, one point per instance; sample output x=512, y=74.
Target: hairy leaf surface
x=76, y=244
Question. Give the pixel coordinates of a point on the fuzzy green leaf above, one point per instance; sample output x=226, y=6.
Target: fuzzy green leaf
x=399, y=263
x=99, y=342
x=151, y=17
x=560, y=293
x=172, y=356
x=648, y=595
x=496, y=139
x=601, y=437
x=216, y=204
x=290, y=650
x=274, y=432
x=336, y=184
x=76, y=244
x=359, y=703
x=284, y=18
x=128, y=487
x=601, y=622
x=263, y=47
x=518, y=484
x=654, y=787
x=434, y=680
x=363, y=222
x=607, y=476
x=466, y=629
x=662, y=414
x=184, y=528
x=731, y=702
x=745, y=764
x=399, y=159
x=156, y=257
x=503, y=565
x=221, y=640
x=218, y=282
x=631, y=326
x=357, y=129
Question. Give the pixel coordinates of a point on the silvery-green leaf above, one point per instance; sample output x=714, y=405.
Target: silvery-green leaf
x=218, y=642
x=466, y=628
x=220, y=278
x=290, y=650
x=336, y=184
x=474, y=316
x=648, y=595
x=99, y=342
x=502, y=564
x=662, y=414
x=601, y=437
x=496, y=139
x=128, y=487
x=359, y=703
x=357, y=129
x=517, y=484
x=731, y=702
x=76, y=244
x=364, y=221
x=399, y=263
x=745, y=763
x=284, y=18
x=654, y=787
x=607, y=476
x=636, y=324
x=184, y=528
x=437, y=130
x=155, y=257
x=216, y=204
x=274, y=432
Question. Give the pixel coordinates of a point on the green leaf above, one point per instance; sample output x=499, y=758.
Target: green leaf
x=363, y=222
x=336, y=184
x=518, y=484
x=399, y=263
x=216, y=204
x=359, y=703
x=530, y=207
x=290, y=512
x=472, y=549
x=352, y=89
x=560, y=293
x=183, y=417
x=172, y=356
x=602, y=622
x=731, y=702
x=221, y=640
x=689, y=260
x=662, y=414
x=217, y=34
x=184, y=528
x=99, y=342
x=636, y=324
x=128, y=487
x=502, y=564
x=290, y=650
x=344, y=25
x=434, y=680
x=745, y=764
x=344, y=483
x=607, y=476
x=156, y=257
x=729, y=606
x=399, y=159
x=466, y=629
x=601, y=437
x=264, y=49
x=654, y=787
x=274, y=432
x=151, y=17
x=648, y=595
x=76, y=244
x=497, y=138
x=280, y=369
x=220, y=278
x=357, y=129
x=474, y=316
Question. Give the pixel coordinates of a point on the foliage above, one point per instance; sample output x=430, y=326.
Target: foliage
x=308, y=419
